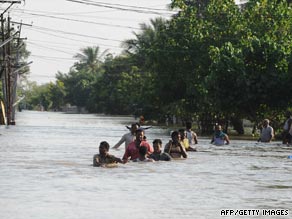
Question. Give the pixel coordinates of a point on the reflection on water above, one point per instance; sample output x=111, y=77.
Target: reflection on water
x=46, y=172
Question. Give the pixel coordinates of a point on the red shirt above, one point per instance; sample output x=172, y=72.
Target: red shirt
x=133, y=152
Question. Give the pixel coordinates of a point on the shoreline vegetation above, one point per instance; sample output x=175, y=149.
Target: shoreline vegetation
x=248, y=126
x=179, y=125
x=231, y=132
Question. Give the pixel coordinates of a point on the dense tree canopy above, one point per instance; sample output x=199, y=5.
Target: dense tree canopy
x=211, y=62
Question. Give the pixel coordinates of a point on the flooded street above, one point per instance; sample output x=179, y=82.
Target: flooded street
x=46, y=172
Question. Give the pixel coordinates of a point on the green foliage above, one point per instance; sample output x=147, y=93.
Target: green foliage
x=105, y=96
x=56, y=95
x=36, y=96
x=90, y=60
x=77, y=86
x=212, y=61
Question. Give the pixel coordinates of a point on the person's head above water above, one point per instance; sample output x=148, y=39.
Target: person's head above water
x=139, y=135
x=157, y=144
x=143, y=151
x=134, y=128
x=175, y=136
x=218, y=128
x=104, y=147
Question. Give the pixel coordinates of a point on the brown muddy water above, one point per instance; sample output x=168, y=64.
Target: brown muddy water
x=46, y=173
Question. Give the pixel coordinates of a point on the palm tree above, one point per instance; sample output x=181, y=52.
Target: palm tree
x=90, y=59
x=147, y=36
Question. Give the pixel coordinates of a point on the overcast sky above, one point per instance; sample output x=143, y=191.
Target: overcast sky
x=60, y=28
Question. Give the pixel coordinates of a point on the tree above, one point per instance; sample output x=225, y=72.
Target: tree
x=56, y=92
x=36, y=97
x=77, y=86
x=90, y=60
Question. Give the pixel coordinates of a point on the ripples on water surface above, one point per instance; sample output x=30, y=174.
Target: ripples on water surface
x=46, y=172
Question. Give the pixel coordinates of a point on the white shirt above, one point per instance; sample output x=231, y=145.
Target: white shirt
x=127, y=138
x=267, y=134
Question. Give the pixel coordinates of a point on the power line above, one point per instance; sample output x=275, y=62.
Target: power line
x=61, y=43
x=75, y=40
x=60, y=13
x=54, y=57
x=11, y=1
x=127, y=6
x=54, y=49
x=79, y=14
x=70, y=33
x=120, y=7
x=80, y=21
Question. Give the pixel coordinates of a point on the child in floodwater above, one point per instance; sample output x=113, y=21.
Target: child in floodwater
x=104, y=158
x=143, y=155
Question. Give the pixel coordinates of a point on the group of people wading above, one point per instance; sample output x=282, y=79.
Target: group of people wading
x=137, y=149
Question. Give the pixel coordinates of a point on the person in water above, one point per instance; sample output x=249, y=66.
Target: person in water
x=128, y=137
x=104, y=158
x=287, y=129
x=185, y=141
x=143, y=156
x=174, y=147
x=191, y=135
x=219, y=138
x=158, y=154
x=132, y=150
x=140, y=127
x=267, y=132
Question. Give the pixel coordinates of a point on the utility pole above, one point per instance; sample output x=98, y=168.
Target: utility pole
x=8, y=91
x=4, y=69
x=7, y=74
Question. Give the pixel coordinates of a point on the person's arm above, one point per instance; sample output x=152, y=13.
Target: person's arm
x=227, y=139
x=260, y=138
x=271, y=134
x=183, y=151
x=123, y=139
x=119, y=160
x=145, y=128
x=150, y=149
x=212, y=140
x=96, y=162
x=126, y=156
x=195, y=137
x=167, y=147
x=165, y=156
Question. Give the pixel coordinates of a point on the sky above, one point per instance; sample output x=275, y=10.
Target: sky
x=56, y=30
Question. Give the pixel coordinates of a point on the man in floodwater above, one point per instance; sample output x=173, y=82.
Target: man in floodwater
x=267, y=132
x=190, y=134
x=287, y=129
x=132, y=151
x=104, y=158
x=219, y=138
x=128, y=137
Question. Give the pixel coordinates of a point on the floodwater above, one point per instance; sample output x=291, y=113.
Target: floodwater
x=46, y=173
